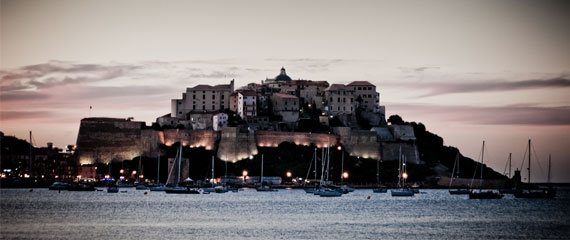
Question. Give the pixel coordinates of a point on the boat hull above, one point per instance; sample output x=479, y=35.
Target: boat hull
x=536, y=194
x=485, y=195
x=402, y=193
x=182, y=191
x=459, y=192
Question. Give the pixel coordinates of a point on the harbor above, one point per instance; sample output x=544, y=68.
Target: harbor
x=293, y=214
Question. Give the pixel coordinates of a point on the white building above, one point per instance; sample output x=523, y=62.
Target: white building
x=247, y=104
x=220, y=120
x=339, y=100
x=365, y=95
x=202, y=98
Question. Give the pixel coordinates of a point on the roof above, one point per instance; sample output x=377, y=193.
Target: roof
x=283, y=95
x=309, y=82
x=360, y=83
x=208, y=87
x=248, y=93
x=336, y=87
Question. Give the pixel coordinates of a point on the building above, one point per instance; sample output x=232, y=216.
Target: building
x=201, y=120
x=308, y=91
x=202, y=98
x=234, y=102
x=365, y=95
x=285, y=105
x=339, y=100
x=219, y=121
x=247, y=104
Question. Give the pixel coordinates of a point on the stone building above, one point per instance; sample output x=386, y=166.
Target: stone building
x=365, y=95
x=339, y=100
x=202, y=98
x=285, y=105
x=201, y=120
x=247, y=104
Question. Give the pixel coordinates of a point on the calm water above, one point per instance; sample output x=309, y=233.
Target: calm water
x=287, y=214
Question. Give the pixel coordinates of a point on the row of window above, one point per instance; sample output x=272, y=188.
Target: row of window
x=204, y=96
x=363, y=88
x=343, y=99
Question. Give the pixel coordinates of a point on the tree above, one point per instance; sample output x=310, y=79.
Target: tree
x=396, y=120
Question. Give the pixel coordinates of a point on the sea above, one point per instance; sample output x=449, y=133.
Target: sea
x=286, y=214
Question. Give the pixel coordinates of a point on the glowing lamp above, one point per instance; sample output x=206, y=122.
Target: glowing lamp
x=289, y=174
x=339, y=148
x=404, y=175
x=345, y=175
x=244, y=173
x=122, y=171
x=134, y=172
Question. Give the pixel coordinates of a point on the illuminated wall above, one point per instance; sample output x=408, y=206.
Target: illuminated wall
x=192, y=138
x=235, y=146
x=273, y=139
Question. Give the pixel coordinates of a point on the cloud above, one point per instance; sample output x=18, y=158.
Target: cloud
x=417, y=69
x=502, y=115
x=16, y=115
x=213, y=74
x=441, y=88
x=123, y=91
x=22, y=95
x=57, y=73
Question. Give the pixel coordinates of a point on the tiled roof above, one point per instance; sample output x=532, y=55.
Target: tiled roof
x=360, y=83
x=283, y=95
x=336, y=87
x=248, y=93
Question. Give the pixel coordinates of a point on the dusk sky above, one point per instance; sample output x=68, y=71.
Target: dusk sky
x=497, y=71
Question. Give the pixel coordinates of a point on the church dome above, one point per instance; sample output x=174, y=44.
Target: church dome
x=283, y=76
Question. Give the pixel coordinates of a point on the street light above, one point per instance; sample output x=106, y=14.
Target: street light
x=244, y=174
x=345, y=175
x=289, y=174
x=405, y=175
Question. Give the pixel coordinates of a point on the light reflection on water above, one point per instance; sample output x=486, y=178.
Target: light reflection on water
x=290, y=214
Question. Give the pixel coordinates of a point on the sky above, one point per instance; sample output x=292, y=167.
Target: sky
x=497, y=71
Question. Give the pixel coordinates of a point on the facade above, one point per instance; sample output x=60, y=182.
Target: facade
x=219, y=121
x=366, y=95
x=234, y=102
x=247, y=104
x=201, y=120
x=202, y=98
x=339, y=100
x=285, y=105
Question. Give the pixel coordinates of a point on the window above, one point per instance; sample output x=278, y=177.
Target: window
x=179, y=102
x=203, y=96
x=338, y=99
x=222, y=96
x=338, y=108
x=359, y=88
x=193, y=96
x=331, y=99
x=369, y=95
x=351, y=99
x=285, y=103
x=204, y=107
x=203, y=91
x=344, y=108
x=193, y=91
x=344, y=100
x=213, y=96
x=213, y=108
x=194, y=107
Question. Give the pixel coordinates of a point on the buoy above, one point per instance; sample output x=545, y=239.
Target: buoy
x=368, y=197
x=145, y=193
x=31, y=190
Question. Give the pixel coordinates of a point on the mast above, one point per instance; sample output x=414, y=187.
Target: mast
x=482, y=156
x=261, y=170
x=548, y=179
x=315, y=153
x=212, y=168
x=179, y=163
x=31, y=147
x=453, y=171
x=529, y=163
x=322, y=165
x=158, y=169
x=510, y=155
x=342, y=168
x=328, y=156
x=399, y=166
x=378, y=172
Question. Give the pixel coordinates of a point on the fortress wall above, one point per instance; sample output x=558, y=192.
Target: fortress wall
x=273, y=139
x=359, y=143
x=101, y=140
x=193, y=138
x=235, y=146
x=390, y=151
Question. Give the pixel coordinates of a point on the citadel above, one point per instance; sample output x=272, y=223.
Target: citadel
x=236, y=122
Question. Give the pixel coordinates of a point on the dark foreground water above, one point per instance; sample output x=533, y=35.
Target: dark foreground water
x=287, y=214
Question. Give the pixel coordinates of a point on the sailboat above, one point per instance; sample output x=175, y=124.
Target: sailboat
x=536, y=193
x=488, y=194
x=311, y=189
x=456, y=167
x=403, y=191
x=261, y=187
x=159, y=187
x=111, y=188
x=177, y=188
x=379, y=189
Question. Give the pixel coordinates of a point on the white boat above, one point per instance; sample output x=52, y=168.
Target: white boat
x=455, y=172
x=330, y=193
x=483, y=194
x=261, y=187
x=402, y=190
x=177, y=189
x=550, y=192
